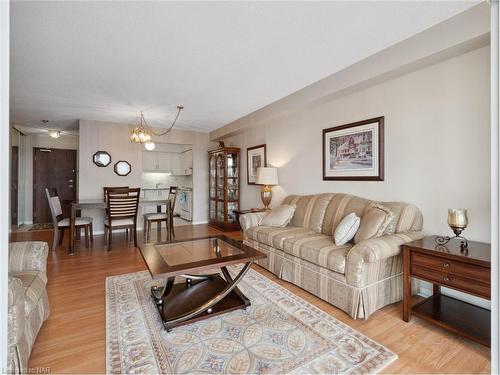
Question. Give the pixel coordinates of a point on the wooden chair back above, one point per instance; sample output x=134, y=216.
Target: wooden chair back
x=172, y=196
x=106, y=188
x=54, y=204
x=123, y=203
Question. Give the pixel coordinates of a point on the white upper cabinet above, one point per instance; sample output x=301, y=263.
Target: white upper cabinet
x=164, y=162
x=187, y=162
x=153, y=161
x=149, y=161
x=176, y=163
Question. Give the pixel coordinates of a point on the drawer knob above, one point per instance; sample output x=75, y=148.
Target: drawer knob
x=446, y=265
x=446, y=278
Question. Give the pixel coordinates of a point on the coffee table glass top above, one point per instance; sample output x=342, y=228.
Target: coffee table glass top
x=194, y=251
x=167, y=259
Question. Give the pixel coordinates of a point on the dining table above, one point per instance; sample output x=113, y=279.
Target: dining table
x=100, y=204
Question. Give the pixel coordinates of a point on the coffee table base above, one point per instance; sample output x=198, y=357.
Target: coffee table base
x=200, y=297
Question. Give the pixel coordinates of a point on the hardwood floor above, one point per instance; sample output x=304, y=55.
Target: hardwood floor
x=72, y=340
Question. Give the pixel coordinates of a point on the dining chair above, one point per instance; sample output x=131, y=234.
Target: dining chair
x=105, y=191
x=172, y=197
x=159, y=217
x=106, y=188
x=122, y=210
x=61, y=223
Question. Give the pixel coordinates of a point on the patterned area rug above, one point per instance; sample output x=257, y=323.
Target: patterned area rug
x=279, y=333
x=41, y=226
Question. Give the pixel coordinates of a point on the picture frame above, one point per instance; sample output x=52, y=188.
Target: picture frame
x=102, y=159
x=256, y=157
x=355, y=151
x=122, y=168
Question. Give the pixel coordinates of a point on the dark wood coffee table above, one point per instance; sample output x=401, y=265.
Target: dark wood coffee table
x=201, y=295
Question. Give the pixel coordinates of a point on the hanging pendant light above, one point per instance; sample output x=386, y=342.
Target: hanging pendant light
x=144, y=133
x=150, y=146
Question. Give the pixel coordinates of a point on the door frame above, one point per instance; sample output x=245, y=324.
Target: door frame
x=34, y=173
x=14, y=186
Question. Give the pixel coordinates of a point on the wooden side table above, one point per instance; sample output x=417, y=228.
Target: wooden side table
x=447, y=266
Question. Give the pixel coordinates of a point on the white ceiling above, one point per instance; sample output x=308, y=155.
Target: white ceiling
x=110, y=60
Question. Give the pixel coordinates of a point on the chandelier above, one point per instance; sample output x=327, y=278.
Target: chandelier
x=144, y=133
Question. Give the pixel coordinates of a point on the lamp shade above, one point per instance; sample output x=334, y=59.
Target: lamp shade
x=267, y=176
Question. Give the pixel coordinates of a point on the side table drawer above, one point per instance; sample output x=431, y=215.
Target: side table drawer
x=465, y=270
x=451, y=280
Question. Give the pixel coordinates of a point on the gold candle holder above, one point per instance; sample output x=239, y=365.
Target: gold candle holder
x=457, y=220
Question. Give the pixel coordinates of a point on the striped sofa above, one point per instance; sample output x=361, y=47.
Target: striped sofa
x=28, y=304
x=360, y=278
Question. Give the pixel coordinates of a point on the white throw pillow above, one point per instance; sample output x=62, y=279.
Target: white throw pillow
x=279, y=216
x=346, y=230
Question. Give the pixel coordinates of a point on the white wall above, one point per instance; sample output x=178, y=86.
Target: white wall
x=115, y=139
x=27, y=143
x=437, y=143
x=4, y=176
x=495, y=156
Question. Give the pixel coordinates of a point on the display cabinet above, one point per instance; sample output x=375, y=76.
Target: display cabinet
x=224, y=187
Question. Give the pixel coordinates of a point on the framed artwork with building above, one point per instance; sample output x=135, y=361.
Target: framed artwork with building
x=354, y=151
x=256, y=157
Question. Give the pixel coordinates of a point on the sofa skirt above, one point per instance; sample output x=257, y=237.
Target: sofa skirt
x=330, y=286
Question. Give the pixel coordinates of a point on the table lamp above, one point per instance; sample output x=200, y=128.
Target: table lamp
x=266, y=176
x=457, y=220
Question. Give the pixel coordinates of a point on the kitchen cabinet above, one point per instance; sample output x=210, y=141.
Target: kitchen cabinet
x=187, y=162
x=164, y=162
x=178, y=164
x=157, y=162
x=149, y=161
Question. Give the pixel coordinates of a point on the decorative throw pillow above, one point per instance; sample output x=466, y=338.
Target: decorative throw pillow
x=279, y=216
x=374, y=222
x=346, y=229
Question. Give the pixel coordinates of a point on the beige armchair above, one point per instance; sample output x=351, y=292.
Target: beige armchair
x=28, y=304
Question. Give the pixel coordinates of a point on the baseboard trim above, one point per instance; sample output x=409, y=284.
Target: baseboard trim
x=199, y=222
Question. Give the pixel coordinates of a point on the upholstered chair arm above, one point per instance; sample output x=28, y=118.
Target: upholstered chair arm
x=251, y=220
x=16, y=317
x=28, y=256
x=377, y=258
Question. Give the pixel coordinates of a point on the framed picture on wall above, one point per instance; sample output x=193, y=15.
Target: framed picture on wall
x=354, y=151
x=256, y=157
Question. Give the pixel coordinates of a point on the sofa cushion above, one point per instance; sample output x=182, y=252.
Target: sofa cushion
x=274, y=237
x=279, y=216
x=374, y=222
x=310, y=210
x=34, y=284
x=346, y=230
x=339, y=207
x=319, y=249
x=408, y=217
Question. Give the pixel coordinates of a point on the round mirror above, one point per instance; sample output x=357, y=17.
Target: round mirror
x=122, y=168
x=102, y=159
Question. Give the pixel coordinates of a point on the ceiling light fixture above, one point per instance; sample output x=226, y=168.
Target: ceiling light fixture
x=150, y=146
x=54, y=133
x=144, y=133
